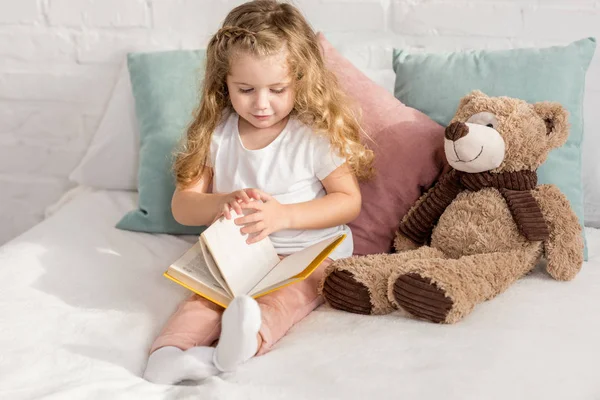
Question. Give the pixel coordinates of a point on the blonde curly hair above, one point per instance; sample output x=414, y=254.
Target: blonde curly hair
x=262, y=28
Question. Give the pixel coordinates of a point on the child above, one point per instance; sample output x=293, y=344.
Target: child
x=273, y=135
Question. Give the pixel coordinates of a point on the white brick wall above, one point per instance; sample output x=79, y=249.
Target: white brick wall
x=98, y=13
x=59, y=60
x=20, y=12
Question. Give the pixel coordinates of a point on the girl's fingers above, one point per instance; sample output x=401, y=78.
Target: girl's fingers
x=255, y=205
x=254, y=228
x=236, y=207
x=263, y=195
x=244, y=196
x=257, y=216
x=258, y=237
x=255, y=194
x=226, y=212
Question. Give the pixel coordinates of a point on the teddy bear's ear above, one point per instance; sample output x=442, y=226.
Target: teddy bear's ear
x=469, y=97
x=556, y=118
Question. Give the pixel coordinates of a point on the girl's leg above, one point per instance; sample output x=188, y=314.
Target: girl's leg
x=197, y=322
x=286, y=307
x=238, y=342
x=251, y=327
x=181, y=351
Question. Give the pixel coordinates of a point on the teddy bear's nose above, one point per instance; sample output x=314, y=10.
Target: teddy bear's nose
x=456, y=130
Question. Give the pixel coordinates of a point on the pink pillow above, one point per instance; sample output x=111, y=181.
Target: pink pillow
x=409, y=155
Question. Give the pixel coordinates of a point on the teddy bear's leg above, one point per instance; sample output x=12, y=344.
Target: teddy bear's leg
x=444, y=291
x=359, y=284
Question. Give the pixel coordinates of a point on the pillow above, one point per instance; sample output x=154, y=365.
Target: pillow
x=165, y=88
x=434, y=84
x=111, y=161
x=409, y=155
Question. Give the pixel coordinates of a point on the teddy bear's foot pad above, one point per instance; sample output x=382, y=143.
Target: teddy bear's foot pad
x=344, y=292
x=422, y=298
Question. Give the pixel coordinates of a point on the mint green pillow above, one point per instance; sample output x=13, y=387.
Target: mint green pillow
x=165, y=88
x=434, y=84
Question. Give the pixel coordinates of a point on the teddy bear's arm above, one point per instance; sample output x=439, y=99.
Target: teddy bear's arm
x=402, y=241
x=564, y=246
x=416, y=226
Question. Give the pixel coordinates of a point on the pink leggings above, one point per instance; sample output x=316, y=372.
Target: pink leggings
x=197, y=321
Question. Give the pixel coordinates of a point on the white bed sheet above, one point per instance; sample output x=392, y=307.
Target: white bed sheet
x=81, y=302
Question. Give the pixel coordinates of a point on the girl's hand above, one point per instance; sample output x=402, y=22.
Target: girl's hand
x=269, y=216
x=233, y=201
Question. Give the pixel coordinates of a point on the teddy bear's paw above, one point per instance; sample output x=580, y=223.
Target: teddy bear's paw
x=422, y=298
x=342, y=291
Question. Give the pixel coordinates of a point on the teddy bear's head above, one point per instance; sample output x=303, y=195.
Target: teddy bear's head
x=503, y=134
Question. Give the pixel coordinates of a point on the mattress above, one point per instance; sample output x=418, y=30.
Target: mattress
x=81, y=302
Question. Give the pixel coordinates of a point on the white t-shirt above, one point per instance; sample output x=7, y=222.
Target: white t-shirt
x=290, y=169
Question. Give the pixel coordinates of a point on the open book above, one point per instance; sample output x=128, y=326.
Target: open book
x=221, y=265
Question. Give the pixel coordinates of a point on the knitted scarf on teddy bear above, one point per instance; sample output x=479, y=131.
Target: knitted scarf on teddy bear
x=515, y=187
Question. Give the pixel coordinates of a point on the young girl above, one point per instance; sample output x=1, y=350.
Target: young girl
x=275, y=136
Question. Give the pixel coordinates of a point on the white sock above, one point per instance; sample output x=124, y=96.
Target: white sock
x=169, y=365
x=239, y=327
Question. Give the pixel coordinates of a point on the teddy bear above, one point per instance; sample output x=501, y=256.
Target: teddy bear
x=483, y=225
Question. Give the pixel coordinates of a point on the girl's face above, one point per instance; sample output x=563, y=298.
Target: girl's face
x=261, y=89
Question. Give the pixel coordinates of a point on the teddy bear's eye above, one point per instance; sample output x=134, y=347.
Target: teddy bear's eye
x=484, y=118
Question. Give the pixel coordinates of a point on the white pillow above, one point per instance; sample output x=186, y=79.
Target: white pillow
x=111, y=161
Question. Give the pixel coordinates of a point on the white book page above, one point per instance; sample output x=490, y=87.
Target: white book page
x=212, y=266
x=292, y=265
x=242, y=265
x=214, y=294
x=193, y=264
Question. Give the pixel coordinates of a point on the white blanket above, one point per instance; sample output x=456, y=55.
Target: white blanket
x=81, y=302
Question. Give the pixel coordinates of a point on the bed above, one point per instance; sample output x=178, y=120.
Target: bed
x=81, y=302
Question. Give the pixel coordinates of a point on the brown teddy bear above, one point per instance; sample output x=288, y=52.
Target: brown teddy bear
x=485, y=223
